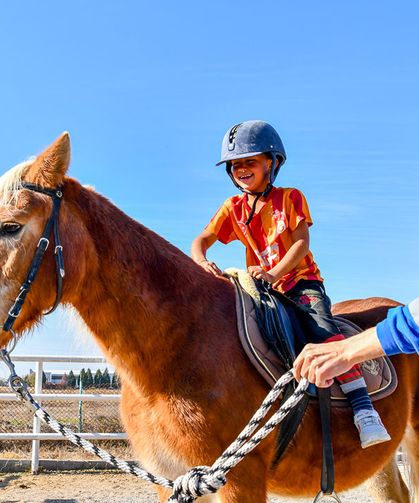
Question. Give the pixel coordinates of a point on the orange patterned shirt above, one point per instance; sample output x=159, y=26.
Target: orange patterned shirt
x=268, y=236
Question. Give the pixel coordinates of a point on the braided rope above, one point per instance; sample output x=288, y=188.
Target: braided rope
x=125, y=466
x=199, y=480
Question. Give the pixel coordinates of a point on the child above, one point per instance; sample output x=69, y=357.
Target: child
x=272, y=223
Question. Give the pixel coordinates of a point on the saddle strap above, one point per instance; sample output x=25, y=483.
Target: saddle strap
x=327, y=482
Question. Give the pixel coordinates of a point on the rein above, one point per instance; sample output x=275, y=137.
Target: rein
x=198, y=480
x=52, y=224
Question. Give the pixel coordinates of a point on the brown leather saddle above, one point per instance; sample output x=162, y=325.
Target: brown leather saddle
x=379, y=374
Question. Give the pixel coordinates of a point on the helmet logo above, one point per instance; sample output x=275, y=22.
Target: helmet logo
x=232, y=136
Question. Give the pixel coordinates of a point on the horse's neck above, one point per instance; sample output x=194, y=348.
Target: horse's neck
x=143, y=299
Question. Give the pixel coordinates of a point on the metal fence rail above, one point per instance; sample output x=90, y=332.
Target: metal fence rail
x=36, y=436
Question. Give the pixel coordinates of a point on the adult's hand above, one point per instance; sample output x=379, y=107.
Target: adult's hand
x=321, y=363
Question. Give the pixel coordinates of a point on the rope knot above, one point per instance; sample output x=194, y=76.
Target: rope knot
x=196, y=482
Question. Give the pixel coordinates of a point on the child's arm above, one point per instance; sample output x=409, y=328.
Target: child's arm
x=199, y=249
x=297, y=251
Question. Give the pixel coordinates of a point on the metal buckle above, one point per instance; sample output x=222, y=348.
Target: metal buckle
x=41, y=240
x=18, y=298
x=321, y=496
x=11, y=313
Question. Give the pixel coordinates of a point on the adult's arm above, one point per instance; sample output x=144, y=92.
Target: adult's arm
x=398, y=333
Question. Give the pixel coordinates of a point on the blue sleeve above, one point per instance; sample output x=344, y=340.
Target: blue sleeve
x=399, y=332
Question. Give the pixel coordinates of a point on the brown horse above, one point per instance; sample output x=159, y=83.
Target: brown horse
x=169, y=328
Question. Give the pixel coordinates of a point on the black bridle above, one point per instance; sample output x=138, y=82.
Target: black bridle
x=52, y=224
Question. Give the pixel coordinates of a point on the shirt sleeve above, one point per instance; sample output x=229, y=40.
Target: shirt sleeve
x=221, y=225
x=399, y=332
x=297, y=209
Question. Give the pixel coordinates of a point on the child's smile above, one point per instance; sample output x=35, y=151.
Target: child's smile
x=251, y=173
x=246, y=177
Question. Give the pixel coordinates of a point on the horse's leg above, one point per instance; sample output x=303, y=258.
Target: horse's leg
x=411, y=440
x=246, y=483
x=411, y=446
x=246, y=492
x=164, y=495
x=387, y=486
x=243, y=486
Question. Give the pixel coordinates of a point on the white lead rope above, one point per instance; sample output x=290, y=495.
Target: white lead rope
x=199, y=480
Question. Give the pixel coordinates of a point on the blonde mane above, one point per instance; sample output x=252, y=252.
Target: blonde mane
x=11, y=181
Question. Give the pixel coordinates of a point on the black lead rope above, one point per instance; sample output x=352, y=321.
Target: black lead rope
x=52, y=224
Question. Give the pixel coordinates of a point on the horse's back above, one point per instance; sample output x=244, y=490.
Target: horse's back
x=365, y=313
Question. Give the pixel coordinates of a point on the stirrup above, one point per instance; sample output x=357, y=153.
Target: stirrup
x=322, y=496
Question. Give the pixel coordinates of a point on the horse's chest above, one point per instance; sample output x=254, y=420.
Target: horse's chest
x=162, y=435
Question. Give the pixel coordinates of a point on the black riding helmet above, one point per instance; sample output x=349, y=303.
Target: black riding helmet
x=246, y=140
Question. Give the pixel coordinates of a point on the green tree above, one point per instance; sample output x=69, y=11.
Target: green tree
x=83, y=378
x=89, y=379
x=116, y=382
x=30, y=379
x=106, y=379
x=98, y=379
x=71, y=380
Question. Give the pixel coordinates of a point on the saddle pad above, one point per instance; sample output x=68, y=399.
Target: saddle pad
x=379, y=374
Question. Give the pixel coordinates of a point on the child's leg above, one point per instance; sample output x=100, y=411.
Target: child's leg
x=353, y=384
x=311, y=295
x=366, y=418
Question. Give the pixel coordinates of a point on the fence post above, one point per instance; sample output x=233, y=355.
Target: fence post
x=80, y=407
x=36, y=420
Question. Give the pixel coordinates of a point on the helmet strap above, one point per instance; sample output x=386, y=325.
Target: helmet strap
x=258, y=196
x=252, y=211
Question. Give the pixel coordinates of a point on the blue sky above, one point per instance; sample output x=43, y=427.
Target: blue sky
x=147, y=91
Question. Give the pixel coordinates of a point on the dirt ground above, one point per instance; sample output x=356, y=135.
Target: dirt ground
x=107, y=486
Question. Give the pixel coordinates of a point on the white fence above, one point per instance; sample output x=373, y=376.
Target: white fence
x=36, y=436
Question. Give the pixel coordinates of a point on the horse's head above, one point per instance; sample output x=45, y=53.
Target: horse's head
x=23, y=216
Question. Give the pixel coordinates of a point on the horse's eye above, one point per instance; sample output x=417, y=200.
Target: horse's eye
x=10, y=228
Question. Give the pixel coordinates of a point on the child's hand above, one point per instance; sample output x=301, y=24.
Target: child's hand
x=211, y=267
x=257, y=272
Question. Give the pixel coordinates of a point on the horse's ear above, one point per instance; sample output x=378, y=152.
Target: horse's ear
x=51, y=165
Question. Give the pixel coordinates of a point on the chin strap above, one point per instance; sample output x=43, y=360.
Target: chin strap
x=258, y=196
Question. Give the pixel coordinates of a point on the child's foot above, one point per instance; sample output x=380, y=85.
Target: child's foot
x=371, y=429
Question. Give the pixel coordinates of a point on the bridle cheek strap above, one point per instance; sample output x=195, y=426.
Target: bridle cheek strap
x=52, y=224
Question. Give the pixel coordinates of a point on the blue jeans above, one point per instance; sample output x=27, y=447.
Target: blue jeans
x=311, y=296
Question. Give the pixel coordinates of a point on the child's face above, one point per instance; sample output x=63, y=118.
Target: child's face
x=252, y=173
